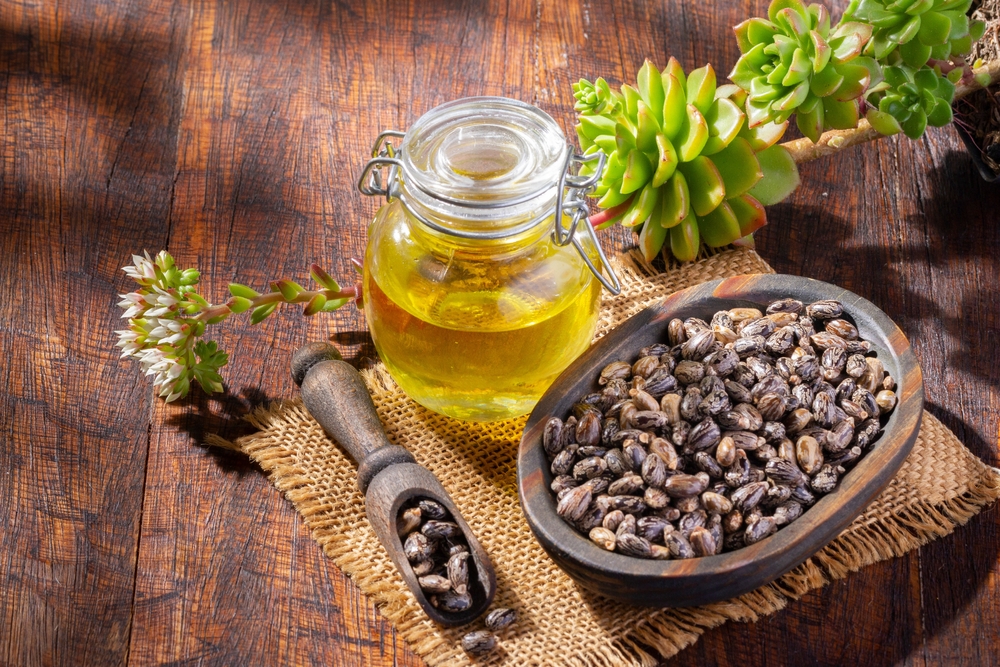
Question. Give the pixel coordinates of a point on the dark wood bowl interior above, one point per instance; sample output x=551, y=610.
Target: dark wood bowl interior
x=678, y=583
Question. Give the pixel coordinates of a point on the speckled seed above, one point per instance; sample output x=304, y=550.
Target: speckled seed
x=431, y=509
x=782, y=319
x=500, y=619
x=840, y=436
x=574, y=503
x=651, y=528
x=758, y=327
x=627, y=526
x=704, y=435
x=613, y=519
x=771, y=406
x=627, y=485
x=675, y=332
x=420, y=568
x=458, y=571
x=417, y=547
x=409, y=521
x=698, y=345
x=854, y=410
x=797, y=420
x=589, y=468
x=655, y=498
x=451, y=602
x=790, y=511
x=670, y=405
x=702, y=542
x=732, y=522
x=738, y=315
x=588, y=430
x=616, y=370
x=842, y=328
x=808, y=454
x=551, y=436
x=635, y=454
x=855, y=366
x=825, y=339
x=825, y=480
x=725, y=453
x=643, y=401
x=666, y=451
x=654, y=473
x=440, y=530
x=784, y=471
x=785, y=306
x=685, y=486
x=645, y=366
x=434, y=583
x=747, y=497
x=633, y=545
x=678, y=545
x=760, y=529
x=716, y=503
x=603, y=538
x=827, y=309
x=479, y=642
x=886, y=400
x=563, y=462
x=707, y=463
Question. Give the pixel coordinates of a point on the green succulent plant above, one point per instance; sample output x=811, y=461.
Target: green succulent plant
x=909, y=100
x=681, y=161
x=595, y=98
x=793, y=63
x=916, y=31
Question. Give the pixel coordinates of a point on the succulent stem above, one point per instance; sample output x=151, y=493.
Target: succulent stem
x=834, y=141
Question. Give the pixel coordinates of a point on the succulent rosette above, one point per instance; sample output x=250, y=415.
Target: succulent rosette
x=682, y=163
x=917, y=30
x=909, y=100
x=594, y=98
x=793, y=63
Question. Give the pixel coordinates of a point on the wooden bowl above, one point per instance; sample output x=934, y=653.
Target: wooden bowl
x=679, y=583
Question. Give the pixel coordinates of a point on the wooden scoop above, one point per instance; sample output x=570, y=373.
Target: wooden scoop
x=388, y=475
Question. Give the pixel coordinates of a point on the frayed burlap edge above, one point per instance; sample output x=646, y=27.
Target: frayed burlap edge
x=665, y=633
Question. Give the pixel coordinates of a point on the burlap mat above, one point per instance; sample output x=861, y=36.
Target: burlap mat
x=940, y=486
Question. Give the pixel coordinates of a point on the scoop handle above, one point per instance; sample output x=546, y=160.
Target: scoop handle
x=338, y=399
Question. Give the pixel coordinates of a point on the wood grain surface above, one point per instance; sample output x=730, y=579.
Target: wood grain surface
x=231, y=133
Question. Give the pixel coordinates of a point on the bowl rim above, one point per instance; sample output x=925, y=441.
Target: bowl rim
x=795, y=542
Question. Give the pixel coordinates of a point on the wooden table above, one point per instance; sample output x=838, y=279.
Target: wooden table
x=231, y=133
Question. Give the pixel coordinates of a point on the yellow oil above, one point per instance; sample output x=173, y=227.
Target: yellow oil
x=476, y=333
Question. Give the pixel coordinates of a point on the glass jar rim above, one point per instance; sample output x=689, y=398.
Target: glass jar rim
x=484, y=153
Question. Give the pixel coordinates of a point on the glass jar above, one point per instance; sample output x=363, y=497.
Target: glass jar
x=475, y=297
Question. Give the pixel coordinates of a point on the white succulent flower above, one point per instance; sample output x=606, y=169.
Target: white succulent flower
x=142, y=268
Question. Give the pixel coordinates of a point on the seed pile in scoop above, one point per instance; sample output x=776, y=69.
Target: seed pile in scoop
x=438, y=553
x=715, y=439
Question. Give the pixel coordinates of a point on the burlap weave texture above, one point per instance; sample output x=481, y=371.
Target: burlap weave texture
x=940, y=486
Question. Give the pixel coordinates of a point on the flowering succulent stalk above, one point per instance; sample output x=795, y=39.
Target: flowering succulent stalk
x=681, y=160
x=167, y=317
x=793, y=64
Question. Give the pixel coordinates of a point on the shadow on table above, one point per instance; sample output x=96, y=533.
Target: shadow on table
x=955, y=569
x=223, y=415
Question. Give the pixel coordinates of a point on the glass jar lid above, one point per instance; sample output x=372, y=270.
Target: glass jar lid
x=484, y=152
